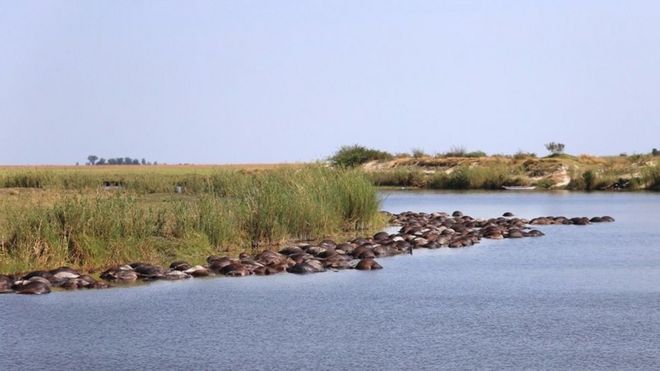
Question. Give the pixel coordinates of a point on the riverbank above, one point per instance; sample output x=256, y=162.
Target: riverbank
x=563, y=172
x=93, y=217
x=417, y=230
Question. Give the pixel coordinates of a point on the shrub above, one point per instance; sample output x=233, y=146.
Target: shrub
x=459, y=151
x=489, y=177
x=455, y=151
x=475, y=154
x=555, y=148
x=545, y=183
x=351, y=156
x=418, y=153
x=521, y=155
x=400, y=177
x=589, y=179
x=651, y=177
x=458, y=179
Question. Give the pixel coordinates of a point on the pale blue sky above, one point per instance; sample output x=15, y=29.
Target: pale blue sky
x=272, y=81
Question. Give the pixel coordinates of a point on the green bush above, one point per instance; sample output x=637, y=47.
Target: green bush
x=459, y=179
x=351, y=156
x=459, y=151
x=418, y=153
x=521, y=155
x=400, y=177
x=476, y=154
x=651, y=177
x=589, y=179
x=545, y=183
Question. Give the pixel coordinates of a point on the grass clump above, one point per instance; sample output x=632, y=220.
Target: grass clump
x=398, y=177
x=478, y=177
x=651, y=177
x=460, y=151
x=418, y=153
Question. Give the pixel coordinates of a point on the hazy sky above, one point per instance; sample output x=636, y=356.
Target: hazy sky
x=272, y=81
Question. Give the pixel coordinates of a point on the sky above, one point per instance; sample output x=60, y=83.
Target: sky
x=289, y=81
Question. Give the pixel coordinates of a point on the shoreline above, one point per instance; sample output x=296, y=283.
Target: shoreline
x=417, y=231
x=564, y=172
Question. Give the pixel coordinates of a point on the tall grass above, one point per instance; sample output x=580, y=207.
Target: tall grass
x=229, y=211
x=651, y=177
x=478, y=177
x=460, y=178
x=399, y=177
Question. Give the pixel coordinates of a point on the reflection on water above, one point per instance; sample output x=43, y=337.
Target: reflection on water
x=580, y=298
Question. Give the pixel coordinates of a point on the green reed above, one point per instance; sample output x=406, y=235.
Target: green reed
x=219, y=212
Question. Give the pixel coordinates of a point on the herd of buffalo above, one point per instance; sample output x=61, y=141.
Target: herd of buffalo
x=418, y=230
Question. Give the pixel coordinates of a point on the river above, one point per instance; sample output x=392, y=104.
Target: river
x=582, y=297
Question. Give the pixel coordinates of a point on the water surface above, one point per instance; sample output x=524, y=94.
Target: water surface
x=578, y=298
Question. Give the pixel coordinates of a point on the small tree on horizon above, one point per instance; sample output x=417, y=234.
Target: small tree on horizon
x=92, y=159
x=555, y=148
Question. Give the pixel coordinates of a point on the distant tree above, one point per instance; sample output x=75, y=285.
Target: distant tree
x=555, y=148
x=155, y=162
x=92, y=159
x=655, y=152
x=118, y=161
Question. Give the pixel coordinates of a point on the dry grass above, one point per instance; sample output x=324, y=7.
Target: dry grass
x=494, y=171
x=63, y=215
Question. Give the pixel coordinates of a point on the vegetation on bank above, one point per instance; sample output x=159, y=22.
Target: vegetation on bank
x=55, y=217
x=459, y=169
x=351, y=156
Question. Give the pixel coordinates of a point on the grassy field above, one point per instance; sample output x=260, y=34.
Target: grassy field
x=53, y=216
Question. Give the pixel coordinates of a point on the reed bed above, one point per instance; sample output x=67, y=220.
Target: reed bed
x=84, y=225
x=460, y=178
